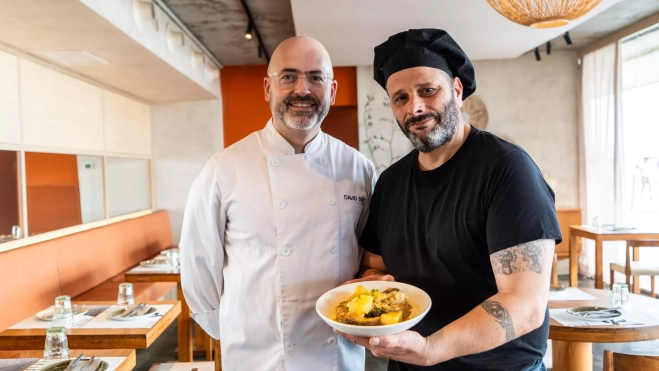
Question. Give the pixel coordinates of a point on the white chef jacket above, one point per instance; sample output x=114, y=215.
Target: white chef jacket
x=266, y=232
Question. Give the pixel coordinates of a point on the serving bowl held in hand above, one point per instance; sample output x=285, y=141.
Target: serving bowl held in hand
x=417, y=298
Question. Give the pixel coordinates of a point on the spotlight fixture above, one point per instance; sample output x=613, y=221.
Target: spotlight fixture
x=568, y=41
x=548, y=47
x=537, y=54
x=251, y=26
x=248, y=33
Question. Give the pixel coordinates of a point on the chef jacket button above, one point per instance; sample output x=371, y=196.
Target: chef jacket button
x=322, y=160
x=281, y=204
x=331, y=341
x=286, y=251
x=331, y=201
x=274, y=162
x=332, y=248
x=289, y=346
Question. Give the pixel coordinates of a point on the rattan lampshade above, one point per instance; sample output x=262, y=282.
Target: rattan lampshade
x=543, y=13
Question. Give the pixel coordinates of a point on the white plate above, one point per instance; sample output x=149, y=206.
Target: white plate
x=573, y=310
x=47, y=314
x=161, y=264
x=113, y=314
x=326, y=308
x=164, y=252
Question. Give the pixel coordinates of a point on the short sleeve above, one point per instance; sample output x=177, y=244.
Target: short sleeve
x=520, y=204
x=369, y=239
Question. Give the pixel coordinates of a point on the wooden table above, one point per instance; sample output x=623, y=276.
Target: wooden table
x=126, y=365
x=572, y=347
x=599, y=236
x=100, y=338
x=185, y=344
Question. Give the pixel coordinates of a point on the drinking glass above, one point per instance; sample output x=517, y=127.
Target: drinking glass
x=126, y=296
x=173, y=258
x=63, y=309
x=57, y=346
x=620, y=297
x=16, y=231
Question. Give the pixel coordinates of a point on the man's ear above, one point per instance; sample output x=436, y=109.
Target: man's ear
x=458, y=89
x=266, y=88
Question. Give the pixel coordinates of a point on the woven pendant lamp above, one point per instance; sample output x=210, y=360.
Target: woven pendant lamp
x=543, y=13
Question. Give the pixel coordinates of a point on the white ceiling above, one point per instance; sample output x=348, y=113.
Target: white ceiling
x=350, y=29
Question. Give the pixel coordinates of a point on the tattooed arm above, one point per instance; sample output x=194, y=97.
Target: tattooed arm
x=522, y=275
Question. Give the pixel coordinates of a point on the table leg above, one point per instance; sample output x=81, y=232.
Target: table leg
x=218, y=355
x=184, y=329
x=599, y=280
x=574, y=264
x=636, y=287
x=569, y=356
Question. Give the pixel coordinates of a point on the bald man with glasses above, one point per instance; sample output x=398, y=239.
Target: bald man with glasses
x=272, y=223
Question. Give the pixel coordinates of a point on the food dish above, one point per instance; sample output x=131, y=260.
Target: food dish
x=373, y=307
x=327, y=304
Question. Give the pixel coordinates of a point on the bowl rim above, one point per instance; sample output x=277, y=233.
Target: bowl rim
x=419, y=316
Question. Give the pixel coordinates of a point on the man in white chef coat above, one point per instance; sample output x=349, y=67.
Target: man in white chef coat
x=272, y=223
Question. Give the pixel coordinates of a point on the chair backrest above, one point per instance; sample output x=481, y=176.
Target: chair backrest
x=629, y=362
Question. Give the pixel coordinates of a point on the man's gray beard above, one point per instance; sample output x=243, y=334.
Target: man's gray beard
x=440, y=134
x=299, y=120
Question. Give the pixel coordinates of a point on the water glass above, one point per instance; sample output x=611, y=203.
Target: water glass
x=173, y=258
x=620, y=297
x=16, y=232
x=126, y=295
x=57, y=346
x=63, y=309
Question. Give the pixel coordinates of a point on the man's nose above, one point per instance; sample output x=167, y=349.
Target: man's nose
x=301, y=87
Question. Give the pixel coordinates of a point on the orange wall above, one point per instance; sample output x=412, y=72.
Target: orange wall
x=245, y=109
x=8, y=191
x=53, y=196
x=48, y=169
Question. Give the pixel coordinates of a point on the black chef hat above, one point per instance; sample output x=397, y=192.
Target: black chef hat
x=424, y=47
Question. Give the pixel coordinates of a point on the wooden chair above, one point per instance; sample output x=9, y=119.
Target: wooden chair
x=554, y=272
x=636, y=268
x=629, y=362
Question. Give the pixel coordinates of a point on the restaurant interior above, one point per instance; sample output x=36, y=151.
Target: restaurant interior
x=109, y=109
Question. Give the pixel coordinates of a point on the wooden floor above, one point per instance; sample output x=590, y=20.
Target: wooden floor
x=164, y=349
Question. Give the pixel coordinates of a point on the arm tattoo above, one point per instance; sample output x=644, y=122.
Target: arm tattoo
x=496, y=310
x=527, y=257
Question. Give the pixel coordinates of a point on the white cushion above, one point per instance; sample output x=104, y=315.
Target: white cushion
x=638, y=268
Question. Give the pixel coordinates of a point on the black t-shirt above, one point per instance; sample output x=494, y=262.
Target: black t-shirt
x=436, y=230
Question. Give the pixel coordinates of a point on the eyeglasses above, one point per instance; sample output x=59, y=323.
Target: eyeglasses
x=288, y=80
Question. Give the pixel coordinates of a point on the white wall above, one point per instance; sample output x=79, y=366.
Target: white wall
x=533, y=103
x=44, y=110
x=184, y=136
x=90, y=181
x=128, y=185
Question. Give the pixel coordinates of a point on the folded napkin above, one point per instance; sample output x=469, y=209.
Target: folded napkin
x=570, y=293
x=18, y=364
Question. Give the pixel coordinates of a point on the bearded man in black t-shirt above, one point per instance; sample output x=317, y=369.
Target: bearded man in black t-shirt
x=466, y=216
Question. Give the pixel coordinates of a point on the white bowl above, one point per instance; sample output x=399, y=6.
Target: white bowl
x=326, y=308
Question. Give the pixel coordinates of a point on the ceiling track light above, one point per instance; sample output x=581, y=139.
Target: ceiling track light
x=568, y=41
x=248, y=33
x=253, y=30
x=548, y=47
x=537, y=54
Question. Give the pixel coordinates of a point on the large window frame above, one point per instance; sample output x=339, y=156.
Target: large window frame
x=26, y=239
